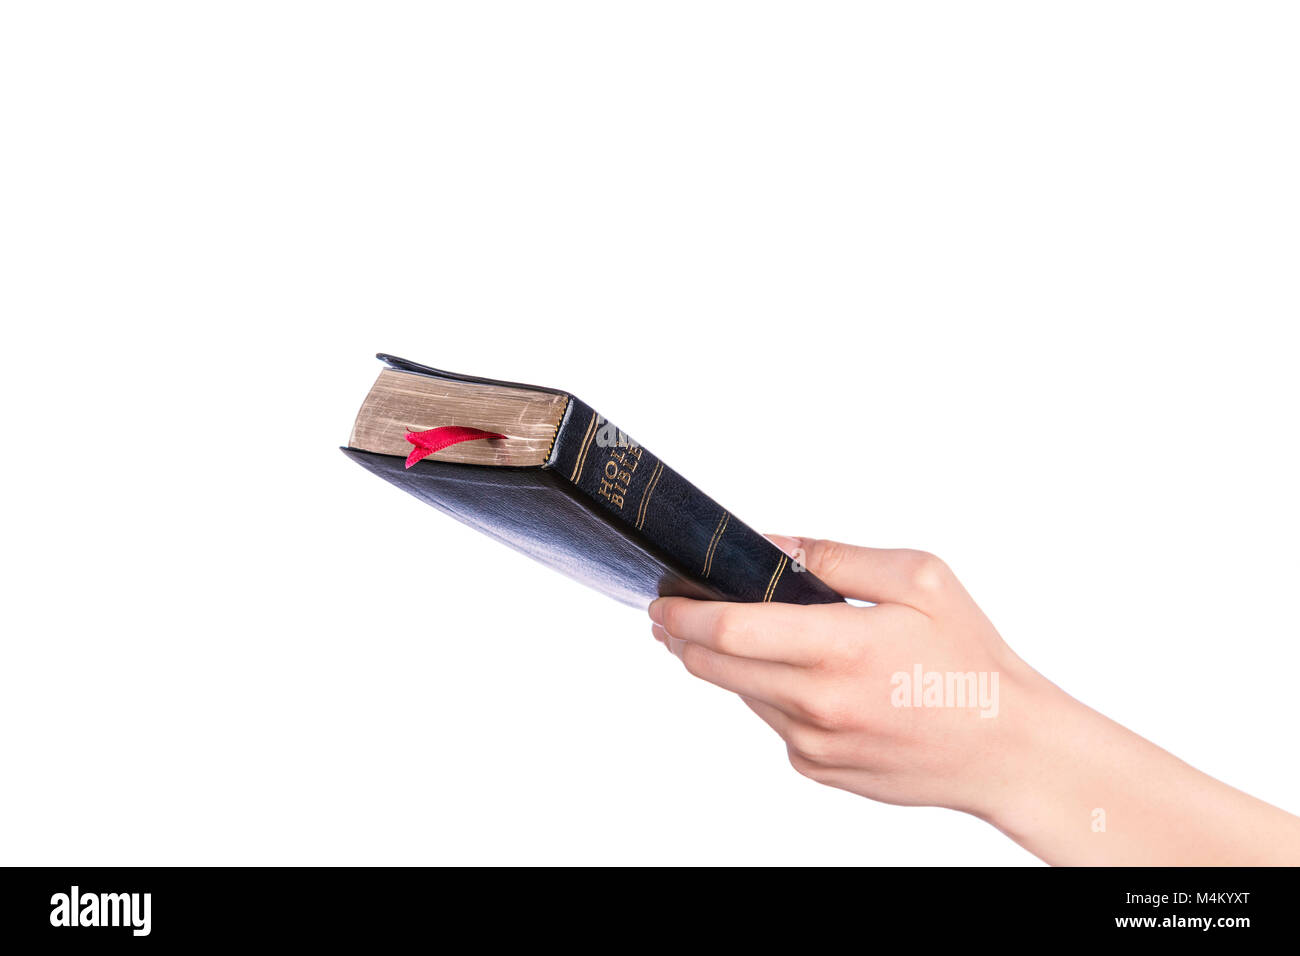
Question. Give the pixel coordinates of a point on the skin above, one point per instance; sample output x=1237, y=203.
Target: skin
x=1039, y=770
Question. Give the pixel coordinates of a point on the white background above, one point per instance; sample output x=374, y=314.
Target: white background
x=1011, y=282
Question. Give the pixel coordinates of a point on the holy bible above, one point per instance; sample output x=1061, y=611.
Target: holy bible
x=539, y=470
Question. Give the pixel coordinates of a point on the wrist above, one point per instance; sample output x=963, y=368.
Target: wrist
x=1052, y=748
x=1080, y=789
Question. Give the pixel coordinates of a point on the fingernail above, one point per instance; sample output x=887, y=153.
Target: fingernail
x=675, y=644
x=659, y=633
x=786, y=544
x=657, y=611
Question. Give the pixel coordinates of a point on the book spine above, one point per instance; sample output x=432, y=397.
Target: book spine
x=653, y=502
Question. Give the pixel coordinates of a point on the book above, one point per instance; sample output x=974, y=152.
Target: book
x=541, y=471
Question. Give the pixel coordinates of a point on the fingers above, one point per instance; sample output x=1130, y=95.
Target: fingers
x=779, y=685
x=812, y=751
x=788, y=633
x=776, y=719
x=880, y=575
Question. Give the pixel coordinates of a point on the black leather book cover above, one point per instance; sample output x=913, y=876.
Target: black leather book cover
x=606, y=511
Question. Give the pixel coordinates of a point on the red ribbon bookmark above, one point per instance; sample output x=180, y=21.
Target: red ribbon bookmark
x=436, y=439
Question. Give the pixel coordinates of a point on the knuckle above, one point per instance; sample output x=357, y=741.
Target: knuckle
x=805, y=767
x=927, y=573
x=843, y=651
x=829, y=713
x=725, y=631
x=813, y=745
x=800, y=763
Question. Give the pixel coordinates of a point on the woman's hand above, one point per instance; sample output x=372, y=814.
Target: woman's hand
x=918, y=700
x=838, y=682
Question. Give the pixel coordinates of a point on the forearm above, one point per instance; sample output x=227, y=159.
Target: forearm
x=1094, y=793
x=870, y=700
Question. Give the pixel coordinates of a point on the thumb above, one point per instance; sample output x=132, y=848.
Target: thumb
x=879, y=575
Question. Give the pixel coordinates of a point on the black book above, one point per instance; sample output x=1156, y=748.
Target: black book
x=541, y=471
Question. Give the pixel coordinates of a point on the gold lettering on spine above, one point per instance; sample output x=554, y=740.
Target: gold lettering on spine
x=618, y=470
x=713, y=542
x=776, y=576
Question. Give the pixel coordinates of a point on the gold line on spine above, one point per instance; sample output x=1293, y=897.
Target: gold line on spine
x=776, y=576
x=645, y=498
x=586, y=444
x=713, y=542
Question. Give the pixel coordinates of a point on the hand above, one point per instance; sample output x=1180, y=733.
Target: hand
x=837, y=682
x=980, y=731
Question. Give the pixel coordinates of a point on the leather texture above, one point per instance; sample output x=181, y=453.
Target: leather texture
x=648, y=500
x=605, y=511
x=538, y=513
